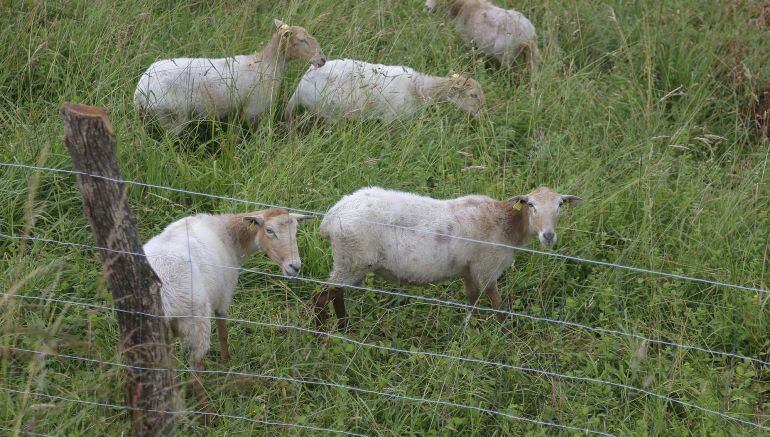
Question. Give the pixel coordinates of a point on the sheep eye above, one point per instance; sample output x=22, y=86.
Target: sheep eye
x=303, y=40
x=270, y=231
x=561, y=202
x=474, y=95
x=530, y=204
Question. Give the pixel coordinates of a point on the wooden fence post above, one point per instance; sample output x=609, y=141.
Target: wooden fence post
x=134, y=285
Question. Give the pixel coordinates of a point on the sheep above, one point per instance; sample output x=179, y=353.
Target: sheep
x=175, y=91
x=407, y=238
x=500, y=33
x=197, y=260
x=356, y=89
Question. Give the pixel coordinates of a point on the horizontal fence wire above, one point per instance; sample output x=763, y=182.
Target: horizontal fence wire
x=434, y=300
x=197, y=412
x=386, y=348
x=333, y=385
x=446, y=303
x=407, y=228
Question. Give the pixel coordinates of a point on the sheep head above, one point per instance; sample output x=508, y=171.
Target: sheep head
x=466, y=93
x=299, y=44
x=274, y=232
x=455, y=6
x=542, y=209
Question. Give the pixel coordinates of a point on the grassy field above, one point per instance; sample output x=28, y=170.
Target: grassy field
x=638, y=107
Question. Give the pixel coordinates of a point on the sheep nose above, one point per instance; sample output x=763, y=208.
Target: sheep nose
x=323, y=62
x=295, y=267
x=548, y=236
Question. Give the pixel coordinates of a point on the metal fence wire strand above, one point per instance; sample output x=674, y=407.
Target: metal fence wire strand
x=434, y=300
x=393, y=348
x=386, y=348
x=411, y=229
x=203, y=413
x=348, y=388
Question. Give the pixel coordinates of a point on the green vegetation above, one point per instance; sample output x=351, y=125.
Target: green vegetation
x=638, y=107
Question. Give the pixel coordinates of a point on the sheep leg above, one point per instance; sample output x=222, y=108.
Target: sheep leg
x=319, y=305
x=172, y=122
x=224, y=350
x=338, y=300
x=253, y=122
x=497, y=301
x=508, y=60
x=532, y=56
x=472, y=289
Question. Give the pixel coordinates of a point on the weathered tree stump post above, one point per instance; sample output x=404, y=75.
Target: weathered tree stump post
x=134, y=286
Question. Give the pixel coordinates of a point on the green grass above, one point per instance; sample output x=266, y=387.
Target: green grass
x=637, y=115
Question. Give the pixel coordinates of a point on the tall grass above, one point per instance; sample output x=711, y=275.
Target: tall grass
x=636, y=108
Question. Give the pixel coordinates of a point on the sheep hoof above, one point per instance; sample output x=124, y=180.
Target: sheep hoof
x=342, y=327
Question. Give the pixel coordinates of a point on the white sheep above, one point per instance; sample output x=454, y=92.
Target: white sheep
x=346, y=88
x=197, y=259
x=501, y=33
x=172, y=92
x=407, y=238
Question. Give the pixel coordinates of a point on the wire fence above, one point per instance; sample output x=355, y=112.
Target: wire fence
x=195, y=412
x=374, y=346
x=407, y=228
x=434, y=300
x=329, y=384
x=440, y=302
x=393, y=349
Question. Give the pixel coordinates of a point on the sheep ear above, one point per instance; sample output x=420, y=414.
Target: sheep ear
x=303, y=218
x=283, y=28
x=572, y=200
x=255, y=219
x=518, y=199
x=455, y=9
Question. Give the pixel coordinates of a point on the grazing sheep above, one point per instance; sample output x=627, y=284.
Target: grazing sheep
x=197, y=260
x=175, y=91
x=347, y=88
x=501, y=33
x=377, y=230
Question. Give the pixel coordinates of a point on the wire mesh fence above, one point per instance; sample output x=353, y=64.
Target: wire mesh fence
x=670, y=398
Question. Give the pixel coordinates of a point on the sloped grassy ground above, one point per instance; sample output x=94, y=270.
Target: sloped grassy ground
x=638, y=107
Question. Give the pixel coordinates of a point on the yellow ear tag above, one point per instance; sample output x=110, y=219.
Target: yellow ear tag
x=284, y=26
x=517, y=206
x=455, y=76
x=250, y=226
